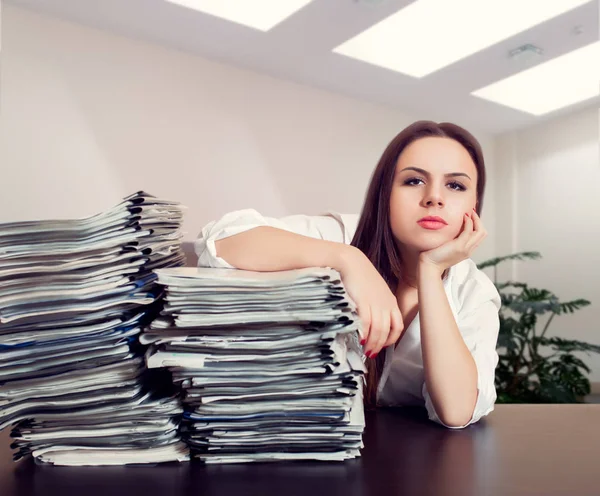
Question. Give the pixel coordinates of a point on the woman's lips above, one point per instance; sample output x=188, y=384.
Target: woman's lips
x=431, y=224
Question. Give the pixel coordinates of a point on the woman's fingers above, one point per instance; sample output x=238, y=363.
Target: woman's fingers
x=373, y=332
x=386, y=329
x=476, y=221
x=467, y=229
x=478, y=225
x=384, y=332
x=479, y=232
x=396, y=327
x=364, y=313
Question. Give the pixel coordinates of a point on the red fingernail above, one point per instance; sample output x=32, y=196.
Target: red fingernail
x=368, y=354
x=374, y=355
x=362, y=342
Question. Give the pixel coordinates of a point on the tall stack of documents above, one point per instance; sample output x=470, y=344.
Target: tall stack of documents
x=74, y=295
x=269, y=363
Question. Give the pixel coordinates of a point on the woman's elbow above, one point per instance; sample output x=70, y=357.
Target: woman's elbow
x=456, y=419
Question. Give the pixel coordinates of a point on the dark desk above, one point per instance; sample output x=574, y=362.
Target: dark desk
x=517, y=450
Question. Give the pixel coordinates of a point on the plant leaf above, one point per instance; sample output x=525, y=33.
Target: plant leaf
x=510, y=284
x=571, y=306
x=569, y=345
x=526, y=255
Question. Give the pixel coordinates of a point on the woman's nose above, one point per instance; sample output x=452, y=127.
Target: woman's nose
x=433, y=199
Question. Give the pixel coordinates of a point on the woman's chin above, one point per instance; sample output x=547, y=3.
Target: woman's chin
x=425, y=241
x=429, y=244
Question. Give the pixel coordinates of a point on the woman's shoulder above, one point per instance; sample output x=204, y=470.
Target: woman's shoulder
x=349, y=223
x=330, y=225
x=471, y=286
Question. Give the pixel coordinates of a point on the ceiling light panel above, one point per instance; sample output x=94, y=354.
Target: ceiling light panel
x=257, y=14
x=562, y=81
x=428, y=35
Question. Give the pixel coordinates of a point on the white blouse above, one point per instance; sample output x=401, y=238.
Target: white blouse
x=473, y=298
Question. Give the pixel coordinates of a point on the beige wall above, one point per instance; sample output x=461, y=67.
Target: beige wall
x=89, y=117
x=547, y=199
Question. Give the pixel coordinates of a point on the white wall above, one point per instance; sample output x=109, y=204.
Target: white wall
x=548, y=201
x=89, y=117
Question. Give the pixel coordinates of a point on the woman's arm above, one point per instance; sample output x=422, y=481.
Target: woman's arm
x=331, y=227
x=242, y=240
x=459, y=379
x=267, y=249
x=450, y=370
x=271, y=249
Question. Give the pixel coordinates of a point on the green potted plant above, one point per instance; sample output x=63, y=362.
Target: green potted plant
x=535, y=367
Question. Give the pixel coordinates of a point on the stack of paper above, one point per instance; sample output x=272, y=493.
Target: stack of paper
x=269, y=363
x=74, y=295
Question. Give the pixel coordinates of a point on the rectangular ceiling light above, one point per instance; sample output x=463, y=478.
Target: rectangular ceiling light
x=427, y=35
x=258, y=14
x=571, y=78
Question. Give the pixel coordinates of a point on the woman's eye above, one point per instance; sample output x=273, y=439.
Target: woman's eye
x=414, y=181
x=457, y=186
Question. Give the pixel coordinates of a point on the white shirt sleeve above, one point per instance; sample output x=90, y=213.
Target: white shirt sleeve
x=479, y=324
x=331, y=227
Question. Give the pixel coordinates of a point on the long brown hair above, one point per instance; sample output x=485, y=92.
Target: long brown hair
x=374, y=235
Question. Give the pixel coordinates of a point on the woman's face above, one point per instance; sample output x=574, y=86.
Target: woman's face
x=434, y=177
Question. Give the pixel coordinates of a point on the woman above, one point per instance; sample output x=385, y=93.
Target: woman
x=405, y=262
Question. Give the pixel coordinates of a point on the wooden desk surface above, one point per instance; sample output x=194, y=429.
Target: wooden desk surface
x=517, y=450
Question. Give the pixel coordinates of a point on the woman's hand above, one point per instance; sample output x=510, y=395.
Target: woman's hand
x=377, y=306
x=458, y=249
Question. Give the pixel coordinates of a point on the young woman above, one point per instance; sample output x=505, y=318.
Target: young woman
x=430, y=317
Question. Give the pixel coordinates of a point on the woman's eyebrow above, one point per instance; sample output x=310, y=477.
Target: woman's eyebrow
x=424, y=172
